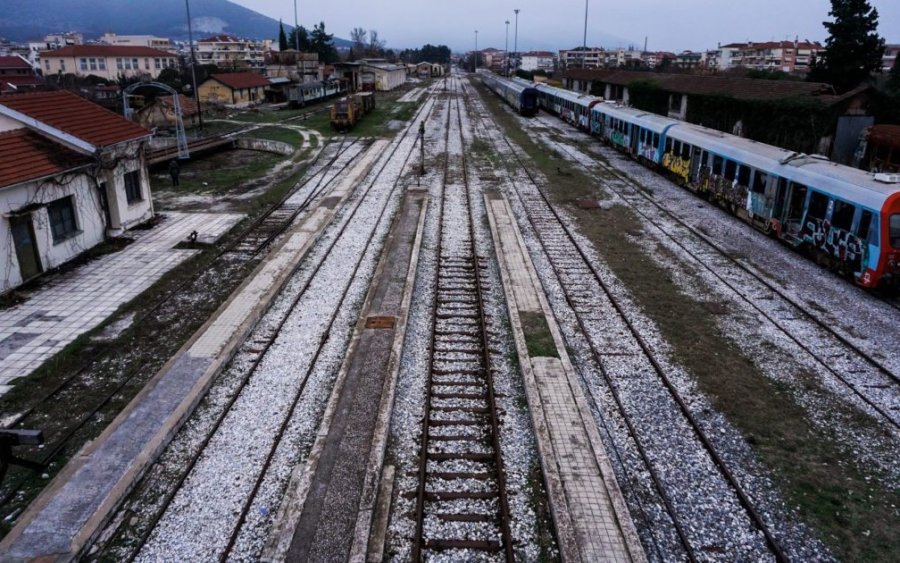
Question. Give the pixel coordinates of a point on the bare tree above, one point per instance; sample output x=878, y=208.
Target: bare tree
x=376, y=45
x=358, y=37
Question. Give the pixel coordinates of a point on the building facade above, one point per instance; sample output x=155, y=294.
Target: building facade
x=785, y=56
x=161, y=43
x=538, y=60
x=17, y=74
x=891, y=50
x=580, y=57
x=380, y=75
x=107, y=61
x=230, y=52
x=235, y=89
x=71, y=174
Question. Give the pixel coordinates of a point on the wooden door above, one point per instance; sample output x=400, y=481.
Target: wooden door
x=26, y=248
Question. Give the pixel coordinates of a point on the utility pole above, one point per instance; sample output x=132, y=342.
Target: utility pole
x=475, y=54
x=584, y=43
x=187, y=5
x=516, y=40
x=507, y=48
x=421, y=150
x=296, y=30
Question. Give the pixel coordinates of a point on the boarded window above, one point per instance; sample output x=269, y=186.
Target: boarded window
x=62, y=219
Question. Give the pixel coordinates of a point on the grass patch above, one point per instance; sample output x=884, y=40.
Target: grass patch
x=538, y=338
x=218, y=173
x=850, y=507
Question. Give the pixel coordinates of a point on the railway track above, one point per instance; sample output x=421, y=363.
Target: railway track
x=866, y=377
x=245, y=247
x=250, y=358
x=621, y=352
x=461, y=505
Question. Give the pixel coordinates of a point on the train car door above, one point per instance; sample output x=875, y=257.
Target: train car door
x=26, y=246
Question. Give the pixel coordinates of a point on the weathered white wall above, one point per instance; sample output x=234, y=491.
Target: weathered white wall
x=89, y=219
x=128, y=157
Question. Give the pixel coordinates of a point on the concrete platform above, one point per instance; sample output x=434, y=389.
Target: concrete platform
x=75, y=302
x=591, y=519
x=79, y=502
x=328, y=508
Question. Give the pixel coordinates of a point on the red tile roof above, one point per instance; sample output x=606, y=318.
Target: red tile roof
x=188, y=105
x=239, y=80
x=25, y=155
x=14, y=62
x=105, y=51
x=75, y=116
x=740, y=88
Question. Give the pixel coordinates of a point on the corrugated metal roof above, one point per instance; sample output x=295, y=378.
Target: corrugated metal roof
x=25, y=155
x=239, y=80
x=76, y=116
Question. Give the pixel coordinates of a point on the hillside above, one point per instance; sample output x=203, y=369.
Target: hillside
x=23, y=20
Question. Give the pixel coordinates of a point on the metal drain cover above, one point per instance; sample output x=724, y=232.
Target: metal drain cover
x=380, y=322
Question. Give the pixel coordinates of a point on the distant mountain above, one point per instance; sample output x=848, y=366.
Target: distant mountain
x=24, y=20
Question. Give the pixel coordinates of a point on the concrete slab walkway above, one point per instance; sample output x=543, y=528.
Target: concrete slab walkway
x=77, y=301
x=590, y=515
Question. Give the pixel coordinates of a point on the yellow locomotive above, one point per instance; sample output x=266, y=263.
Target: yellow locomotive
x=346, y=112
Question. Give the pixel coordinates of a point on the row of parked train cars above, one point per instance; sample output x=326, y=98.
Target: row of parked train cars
x=843, y=217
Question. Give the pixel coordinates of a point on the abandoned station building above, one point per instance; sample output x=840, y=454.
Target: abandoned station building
x=71, y=174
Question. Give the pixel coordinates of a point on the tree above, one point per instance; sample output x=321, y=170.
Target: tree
x=853, y=50
x=303, y=45
x=358, y=38
x=282, y=38
x=375, y=47
x=893, y=81
x=323, y=43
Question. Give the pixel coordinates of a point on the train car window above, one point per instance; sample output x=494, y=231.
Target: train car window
x=668, y=145
x=718, y=162
x=730, y=169
x=759, y=182
x=686, y=150
x=894, y=230
x=656, y=140
x=744, y=175
x=704, y=158
x=842, y=216
x=676, y=149
x=865, y=222
x=818, y=205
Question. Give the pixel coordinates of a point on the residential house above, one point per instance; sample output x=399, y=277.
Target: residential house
x=785, y=56
x=160, y=113
x=580, y=57
x=71, y=174
x=230, y=52
x=235, y=88
x=538, y=60
x=110, y=62
x=16, y=74
x=689, y=60
x=494, y=59
x=161, y=43
x=891, y=50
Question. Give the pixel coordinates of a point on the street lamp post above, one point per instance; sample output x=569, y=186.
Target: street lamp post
x=507, y=48
x=296, y=29
x=187, y=5
x=475, y=54
x=584, y=43
x=516, y=40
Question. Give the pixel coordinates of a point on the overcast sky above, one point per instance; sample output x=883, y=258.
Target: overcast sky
x=671, y=25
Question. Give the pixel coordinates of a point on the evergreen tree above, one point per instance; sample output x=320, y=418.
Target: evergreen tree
x=282, y=38
x=853, y=50
x=303, y=45
x=323, y=44
x=893, y=82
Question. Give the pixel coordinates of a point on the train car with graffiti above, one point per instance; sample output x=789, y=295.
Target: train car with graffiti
x=845, y=218
x=300, y=95
x=522, y=97
x=571, y=106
